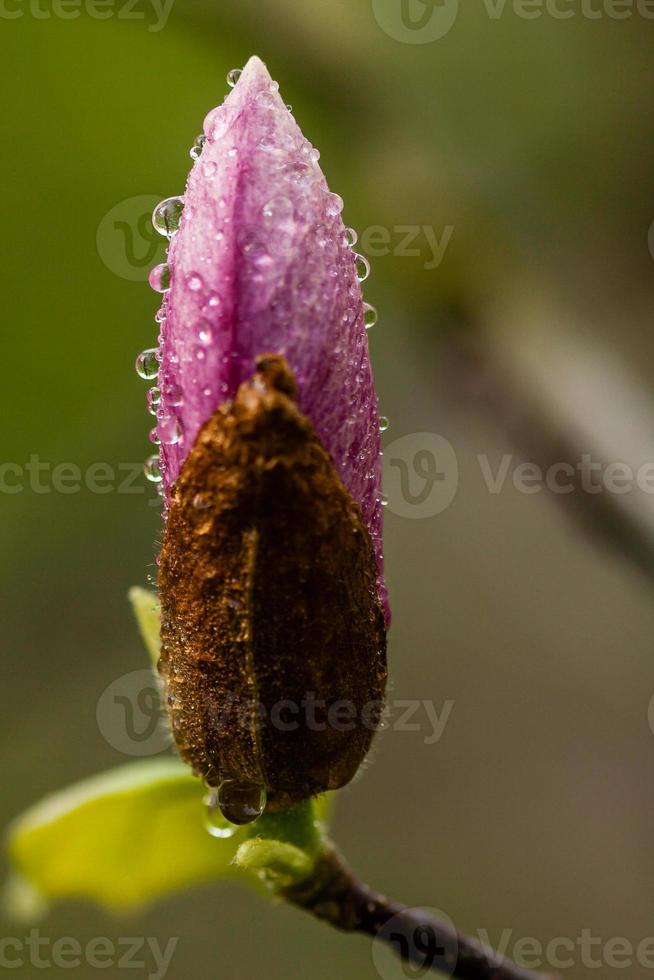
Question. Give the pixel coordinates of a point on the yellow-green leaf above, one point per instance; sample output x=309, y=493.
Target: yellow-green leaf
x=148, y=616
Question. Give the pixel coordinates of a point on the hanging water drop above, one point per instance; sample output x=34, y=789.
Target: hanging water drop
x=147, y=364
x=166, y=216
x=362, y=267
x=334, y=205
x=153, y=398
x=152, y=469
x=383, y=423
x=241, y=802
x=159, y=278
x=233, y=76
x=351, y=237
x=369, y=316
x=198, y=146
x=215, y=822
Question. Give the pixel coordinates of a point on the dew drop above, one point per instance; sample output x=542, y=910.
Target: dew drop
x=197, y=147
x=152, y=469
x=369, y=316
x=383, y=500
x=362, y=267
x=278, y=209
x=202, y=501
x=174, y=395
x=159, y=278
x=233, y=76
x=351, y=237
x=267, y=143
x=154, y=398
x=147, y=364
x=166, y=216
x=160, y=315
x=241, y=802
x=205, y=333
x=194, y=282
x=170, y=430
x=153, y=436
x=383, y=423
x=321, y=235
x=334, y=205
x=266, y=99
x=215, y=822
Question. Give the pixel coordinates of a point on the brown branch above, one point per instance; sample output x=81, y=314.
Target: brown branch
x=335, y=895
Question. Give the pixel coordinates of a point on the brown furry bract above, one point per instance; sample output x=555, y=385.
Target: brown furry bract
x=273, y=640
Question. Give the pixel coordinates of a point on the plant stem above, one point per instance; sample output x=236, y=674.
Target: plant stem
x=335, y=895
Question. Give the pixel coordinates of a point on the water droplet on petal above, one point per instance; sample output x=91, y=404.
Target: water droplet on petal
x=147, y=364
x=351, y=237
x=266, y=99
x=383, y=499
x=383, y=423
x=152, y=469
x=174, y=395
x=194, y=282
x=369, y=316
x=153, y=436
x=334, y=204
x=204, y=331
x=278, y=210
x=170, y=430
x=362, y=267
x=153, y=397
x=209, y=168
x=215, y=823
x=239, y=802
x=198, y=146
x=166, y=216
x=159, y=278
x=233, y=76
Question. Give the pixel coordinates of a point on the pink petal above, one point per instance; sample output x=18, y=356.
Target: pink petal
x=260, y=263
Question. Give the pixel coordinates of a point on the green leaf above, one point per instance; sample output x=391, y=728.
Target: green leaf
x=135, y=834
x=148, y=616
x=122, y=838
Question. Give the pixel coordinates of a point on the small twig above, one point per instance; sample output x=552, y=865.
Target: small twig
x=335, y=895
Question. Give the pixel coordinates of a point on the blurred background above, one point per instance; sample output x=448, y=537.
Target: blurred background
x=497, y=163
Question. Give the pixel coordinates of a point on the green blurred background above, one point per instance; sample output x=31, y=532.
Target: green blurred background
x=533, y=140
